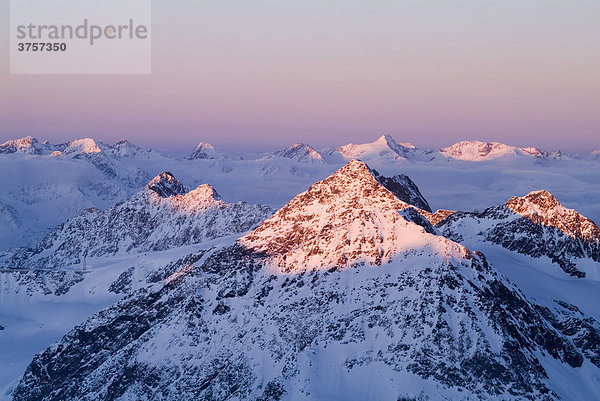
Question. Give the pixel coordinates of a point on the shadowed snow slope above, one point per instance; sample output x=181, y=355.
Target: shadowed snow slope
x=536, y=225
x=430, y=320
x=163, y=215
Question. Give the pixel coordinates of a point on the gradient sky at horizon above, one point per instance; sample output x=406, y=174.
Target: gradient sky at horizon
x=266, y=74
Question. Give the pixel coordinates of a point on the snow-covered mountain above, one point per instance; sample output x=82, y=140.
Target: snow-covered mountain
x=482, y=151
x=384, y=147
x=204, y=150
x=124, y=149
x=80, y=147
x=32, y=146
x=45, y=184
x=74, y=149
x=337, y=296
x=536, y=225
x=26, y=145
x=299, y=152
x=383, y=299
x=108, y=159
x=343, y=210
x=163, y=215
x=79, y=176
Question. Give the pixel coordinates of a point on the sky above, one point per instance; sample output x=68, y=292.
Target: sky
x=265, y=74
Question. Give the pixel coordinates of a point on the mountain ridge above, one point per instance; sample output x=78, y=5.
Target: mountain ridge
x=227, y=325
x=333, y=207
x=163, y=215
x=299, y=152
x=536, y=225
x=385, y=146
x=482, y=151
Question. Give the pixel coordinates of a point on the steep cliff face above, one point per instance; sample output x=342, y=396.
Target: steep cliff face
x=338, y=295
x=536, y=225
x=163, y=215
x=404, y=189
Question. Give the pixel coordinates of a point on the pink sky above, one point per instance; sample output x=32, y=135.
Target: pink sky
x=270, y=73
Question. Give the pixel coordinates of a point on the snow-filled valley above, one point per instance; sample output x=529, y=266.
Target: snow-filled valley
x=300, y=274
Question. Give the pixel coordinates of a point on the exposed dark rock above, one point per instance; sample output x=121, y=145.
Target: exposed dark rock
x=404, y=189
x=122, y=285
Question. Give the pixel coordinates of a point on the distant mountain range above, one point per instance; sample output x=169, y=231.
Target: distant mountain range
x=384, y=147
